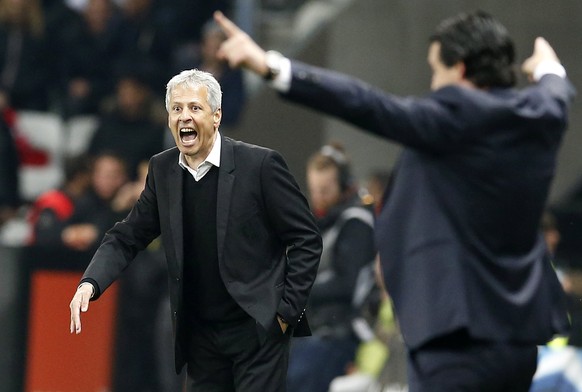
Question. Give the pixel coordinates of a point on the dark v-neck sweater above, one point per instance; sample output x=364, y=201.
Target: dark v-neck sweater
x=205, y=296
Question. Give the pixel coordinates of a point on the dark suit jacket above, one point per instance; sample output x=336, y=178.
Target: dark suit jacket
x=268, y=243
x=458, y=238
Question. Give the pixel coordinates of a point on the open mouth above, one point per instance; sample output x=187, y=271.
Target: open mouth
x=188, y=136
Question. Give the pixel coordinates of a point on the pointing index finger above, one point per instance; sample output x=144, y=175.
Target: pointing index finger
x=226, y=24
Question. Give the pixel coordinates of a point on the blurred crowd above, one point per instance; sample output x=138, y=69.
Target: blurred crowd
x=82, y=85
x=103, y=60
x=67, y=56
x=109, y=61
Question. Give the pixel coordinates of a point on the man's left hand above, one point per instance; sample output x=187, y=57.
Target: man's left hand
x=282, y=324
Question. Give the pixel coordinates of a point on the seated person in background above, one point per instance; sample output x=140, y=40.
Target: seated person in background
x=23, y=57
x=94, y=214
x=348, y=246
x=143, y=292
x=150, y=31
x=378, y=182
x=90, y=48
x=380, y=360
x=129, y=193
x=9, y=194
x=131, y=128
x=51, y=211
x=570, y=278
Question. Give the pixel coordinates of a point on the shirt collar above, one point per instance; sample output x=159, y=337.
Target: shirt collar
x=213, y=157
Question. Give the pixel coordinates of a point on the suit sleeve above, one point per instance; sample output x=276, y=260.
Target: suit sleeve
x=295, y=225
x=559, y=94
x=122, y=242
x=440, y=122
x=424, y=123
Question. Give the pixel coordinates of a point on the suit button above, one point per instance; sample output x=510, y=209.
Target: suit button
x=177, y=279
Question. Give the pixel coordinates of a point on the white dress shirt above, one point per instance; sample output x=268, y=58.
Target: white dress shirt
x=213, y=159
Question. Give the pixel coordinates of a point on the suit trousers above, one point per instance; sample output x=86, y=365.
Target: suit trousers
x=229, y=357
x=458, y=363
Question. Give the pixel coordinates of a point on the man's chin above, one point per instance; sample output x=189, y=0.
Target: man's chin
x=188, y=149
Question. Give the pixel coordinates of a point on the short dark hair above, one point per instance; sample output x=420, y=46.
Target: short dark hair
x=482, y=43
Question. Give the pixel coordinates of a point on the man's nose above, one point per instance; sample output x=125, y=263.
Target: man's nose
x=185, y=116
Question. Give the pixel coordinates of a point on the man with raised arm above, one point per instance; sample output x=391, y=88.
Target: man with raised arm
x=458, y=236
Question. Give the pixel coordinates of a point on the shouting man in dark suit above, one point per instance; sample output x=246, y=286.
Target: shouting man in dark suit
x=461, y=253
x=241, y=244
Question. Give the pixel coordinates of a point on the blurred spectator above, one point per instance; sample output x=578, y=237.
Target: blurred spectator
x=9, y=183
x=58, y=21
x=559, y=360
x=143, y=289
x=131, y=128
x=380, y=361
x=348, y=248
x=56, y=12
x=149, y=36
x=572, y=283
x=51, y=211
x=231, y=80
x=91, y=49
x=94, y=215
x=129, y=193
x=378, y=182
x=571, y=279
x=191, y=23
x=551, y=232
x=23, y=65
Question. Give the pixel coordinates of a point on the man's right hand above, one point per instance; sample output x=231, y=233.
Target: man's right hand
x=239, y=50
x=542, y=52
x=80, y=303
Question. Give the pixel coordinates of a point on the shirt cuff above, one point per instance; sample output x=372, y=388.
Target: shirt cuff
x=282, y=82
x=549, y=67
x=96, y=290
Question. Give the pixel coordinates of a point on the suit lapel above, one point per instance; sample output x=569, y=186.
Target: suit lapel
x=175, y=190
x=224, y=192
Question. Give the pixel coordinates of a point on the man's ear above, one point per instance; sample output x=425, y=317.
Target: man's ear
x=460, y=69
x=217, y=117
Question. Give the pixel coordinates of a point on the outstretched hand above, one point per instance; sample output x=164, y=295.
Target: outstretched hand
x=239, y=50
x=80, y=303
x=542, y=52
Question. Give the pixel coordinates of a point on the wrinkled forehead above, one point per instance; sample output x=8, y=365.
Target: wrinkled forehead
x=188, y=92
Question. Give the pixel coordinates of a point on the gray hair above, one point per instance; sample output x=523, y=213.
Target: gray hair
x=195, y=78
